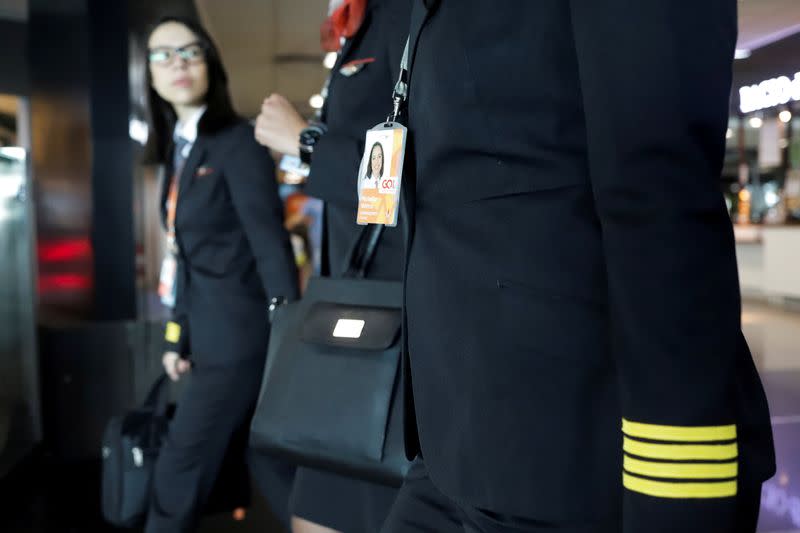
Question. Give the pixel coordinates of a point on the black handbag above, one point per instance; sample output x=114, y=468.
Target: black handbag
x=130, y=448
x=131, y=443
x=330, y=397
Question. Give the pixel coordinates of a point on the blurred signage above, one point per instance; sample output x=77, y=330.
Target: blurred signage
x=769, y=93
x=770, y=154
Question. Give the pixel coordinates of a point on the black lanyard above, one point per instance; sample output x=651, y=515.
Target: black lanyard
x=419, y=16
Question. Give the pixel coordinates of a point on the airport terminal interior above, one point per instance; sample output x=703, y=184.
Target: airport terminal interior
x=82, y=244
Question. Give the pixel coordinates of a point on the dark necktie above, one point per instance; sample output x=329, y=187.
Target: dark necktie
x=180, y=154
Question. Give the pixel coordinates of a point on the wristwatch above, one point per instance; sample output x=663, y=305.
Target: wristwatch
x=308, y=138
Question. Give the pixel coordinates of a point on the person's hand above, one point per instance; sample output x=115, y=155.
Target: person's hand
x=279, y=125
x=174, y=365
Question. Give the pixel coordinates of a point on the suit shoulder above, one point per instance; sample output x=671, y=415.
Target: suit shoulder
x=392, y=11
x=397, y=5
x=238, y=131
x=239, y=136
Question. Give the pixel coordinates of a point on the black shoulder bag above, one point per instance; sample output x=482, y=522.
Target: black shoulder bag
x=330, y=397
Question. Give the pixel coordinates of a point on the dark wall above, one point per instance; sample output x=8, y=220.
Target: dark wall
x=61, y=156
x=13, y=59
x=81, y=155
x=112, y=163
x=90, y=373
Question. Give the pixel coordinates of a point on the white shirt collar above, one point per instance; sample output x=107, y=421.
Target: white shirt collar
x=188, y=129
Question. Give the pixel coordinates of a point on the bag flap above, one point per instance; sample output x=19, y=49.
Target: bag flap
x=352, y=326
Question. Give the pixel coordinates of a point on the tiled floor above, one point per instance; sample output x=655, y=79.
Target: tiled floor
x=774, y=338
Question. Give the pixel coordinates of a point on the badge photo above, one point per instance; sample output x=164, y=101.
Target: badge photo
x=380, y=175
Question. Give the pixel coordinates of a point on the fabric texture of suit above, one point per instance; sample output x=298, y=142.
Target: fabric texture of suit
x=355, y=104
x=421, y=507
x=571, y=282
x=234, y=255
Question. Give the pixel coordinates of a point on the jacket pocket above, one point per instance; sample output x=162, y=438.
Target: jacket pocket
x=548, y=324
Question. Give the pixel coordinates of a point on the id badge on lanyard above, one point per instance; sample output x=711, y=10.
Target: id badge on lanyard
x=167, y=286
x=167, y=279
x=380, y=175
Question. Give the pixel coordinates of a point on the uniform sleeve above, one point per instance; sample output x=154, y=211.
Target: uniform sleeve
x=655, y=76
x=250, y=175
x=336, y=154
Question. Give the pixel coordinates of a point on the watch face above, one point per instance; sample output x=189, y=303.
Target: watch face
x=311, y=134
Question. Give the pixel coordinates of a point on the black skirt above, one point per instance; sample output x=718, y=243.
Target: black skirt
x=341, y=503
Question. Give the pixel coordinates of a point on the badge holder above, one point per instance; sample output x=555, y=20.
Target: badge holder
x=167, y=278
x=380, y=175
x=167, y=286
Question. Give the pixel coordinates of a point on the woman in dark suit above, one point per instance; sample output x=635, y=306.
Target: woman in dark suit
x=359, y=96
x=229, y=256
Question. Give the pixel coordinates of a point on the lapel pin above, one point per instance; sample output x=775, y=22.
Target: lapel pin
x=354, y=67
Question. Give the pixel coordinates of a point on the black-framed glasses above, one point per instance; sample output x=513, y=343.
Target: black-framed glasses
x=164, y=55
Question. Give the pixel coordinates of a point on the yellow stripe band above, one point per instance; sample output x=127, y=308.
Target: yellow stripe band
x=679, y=433
x=662, y=489
x=173, y=333
x=681, y=470
x=681, y=452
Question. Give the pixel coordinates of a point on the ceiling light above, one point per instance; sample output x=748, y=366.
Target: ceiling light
x=330, y=60
x=771, y=198
x=756, y=122
x=316, y=101
x=742, y=53
x=785, y=116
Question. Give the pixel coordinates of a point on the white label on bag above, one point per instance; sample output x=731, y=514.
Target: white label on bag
x=348, y=329
x=138, y=457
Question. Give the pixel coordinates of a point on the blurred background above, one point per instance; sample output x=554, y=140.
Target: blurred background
x=81, y=243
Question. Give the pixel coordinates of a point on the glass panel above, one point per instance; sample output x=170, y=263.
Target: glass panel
x=19, y=406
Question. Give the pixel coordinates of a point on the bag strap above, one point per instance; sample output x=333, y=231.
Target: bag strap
x=358, y=261
x=373, y=239
x=419, y=16
x=158, y=395
x=157, y=402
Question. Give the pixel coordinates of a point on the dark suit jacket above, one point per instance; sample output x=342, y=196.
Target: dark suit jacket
x=572, y=263
x=356, y=104
x=234, y=251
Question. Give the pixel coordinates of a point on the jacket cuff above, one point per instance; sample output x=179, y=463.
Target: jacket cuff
x=176, y=338
x=680, y=462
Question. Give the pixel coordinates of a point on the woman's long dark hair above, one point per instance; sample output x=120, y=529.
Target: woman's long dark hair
x=161, y=116
x=383, y=160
